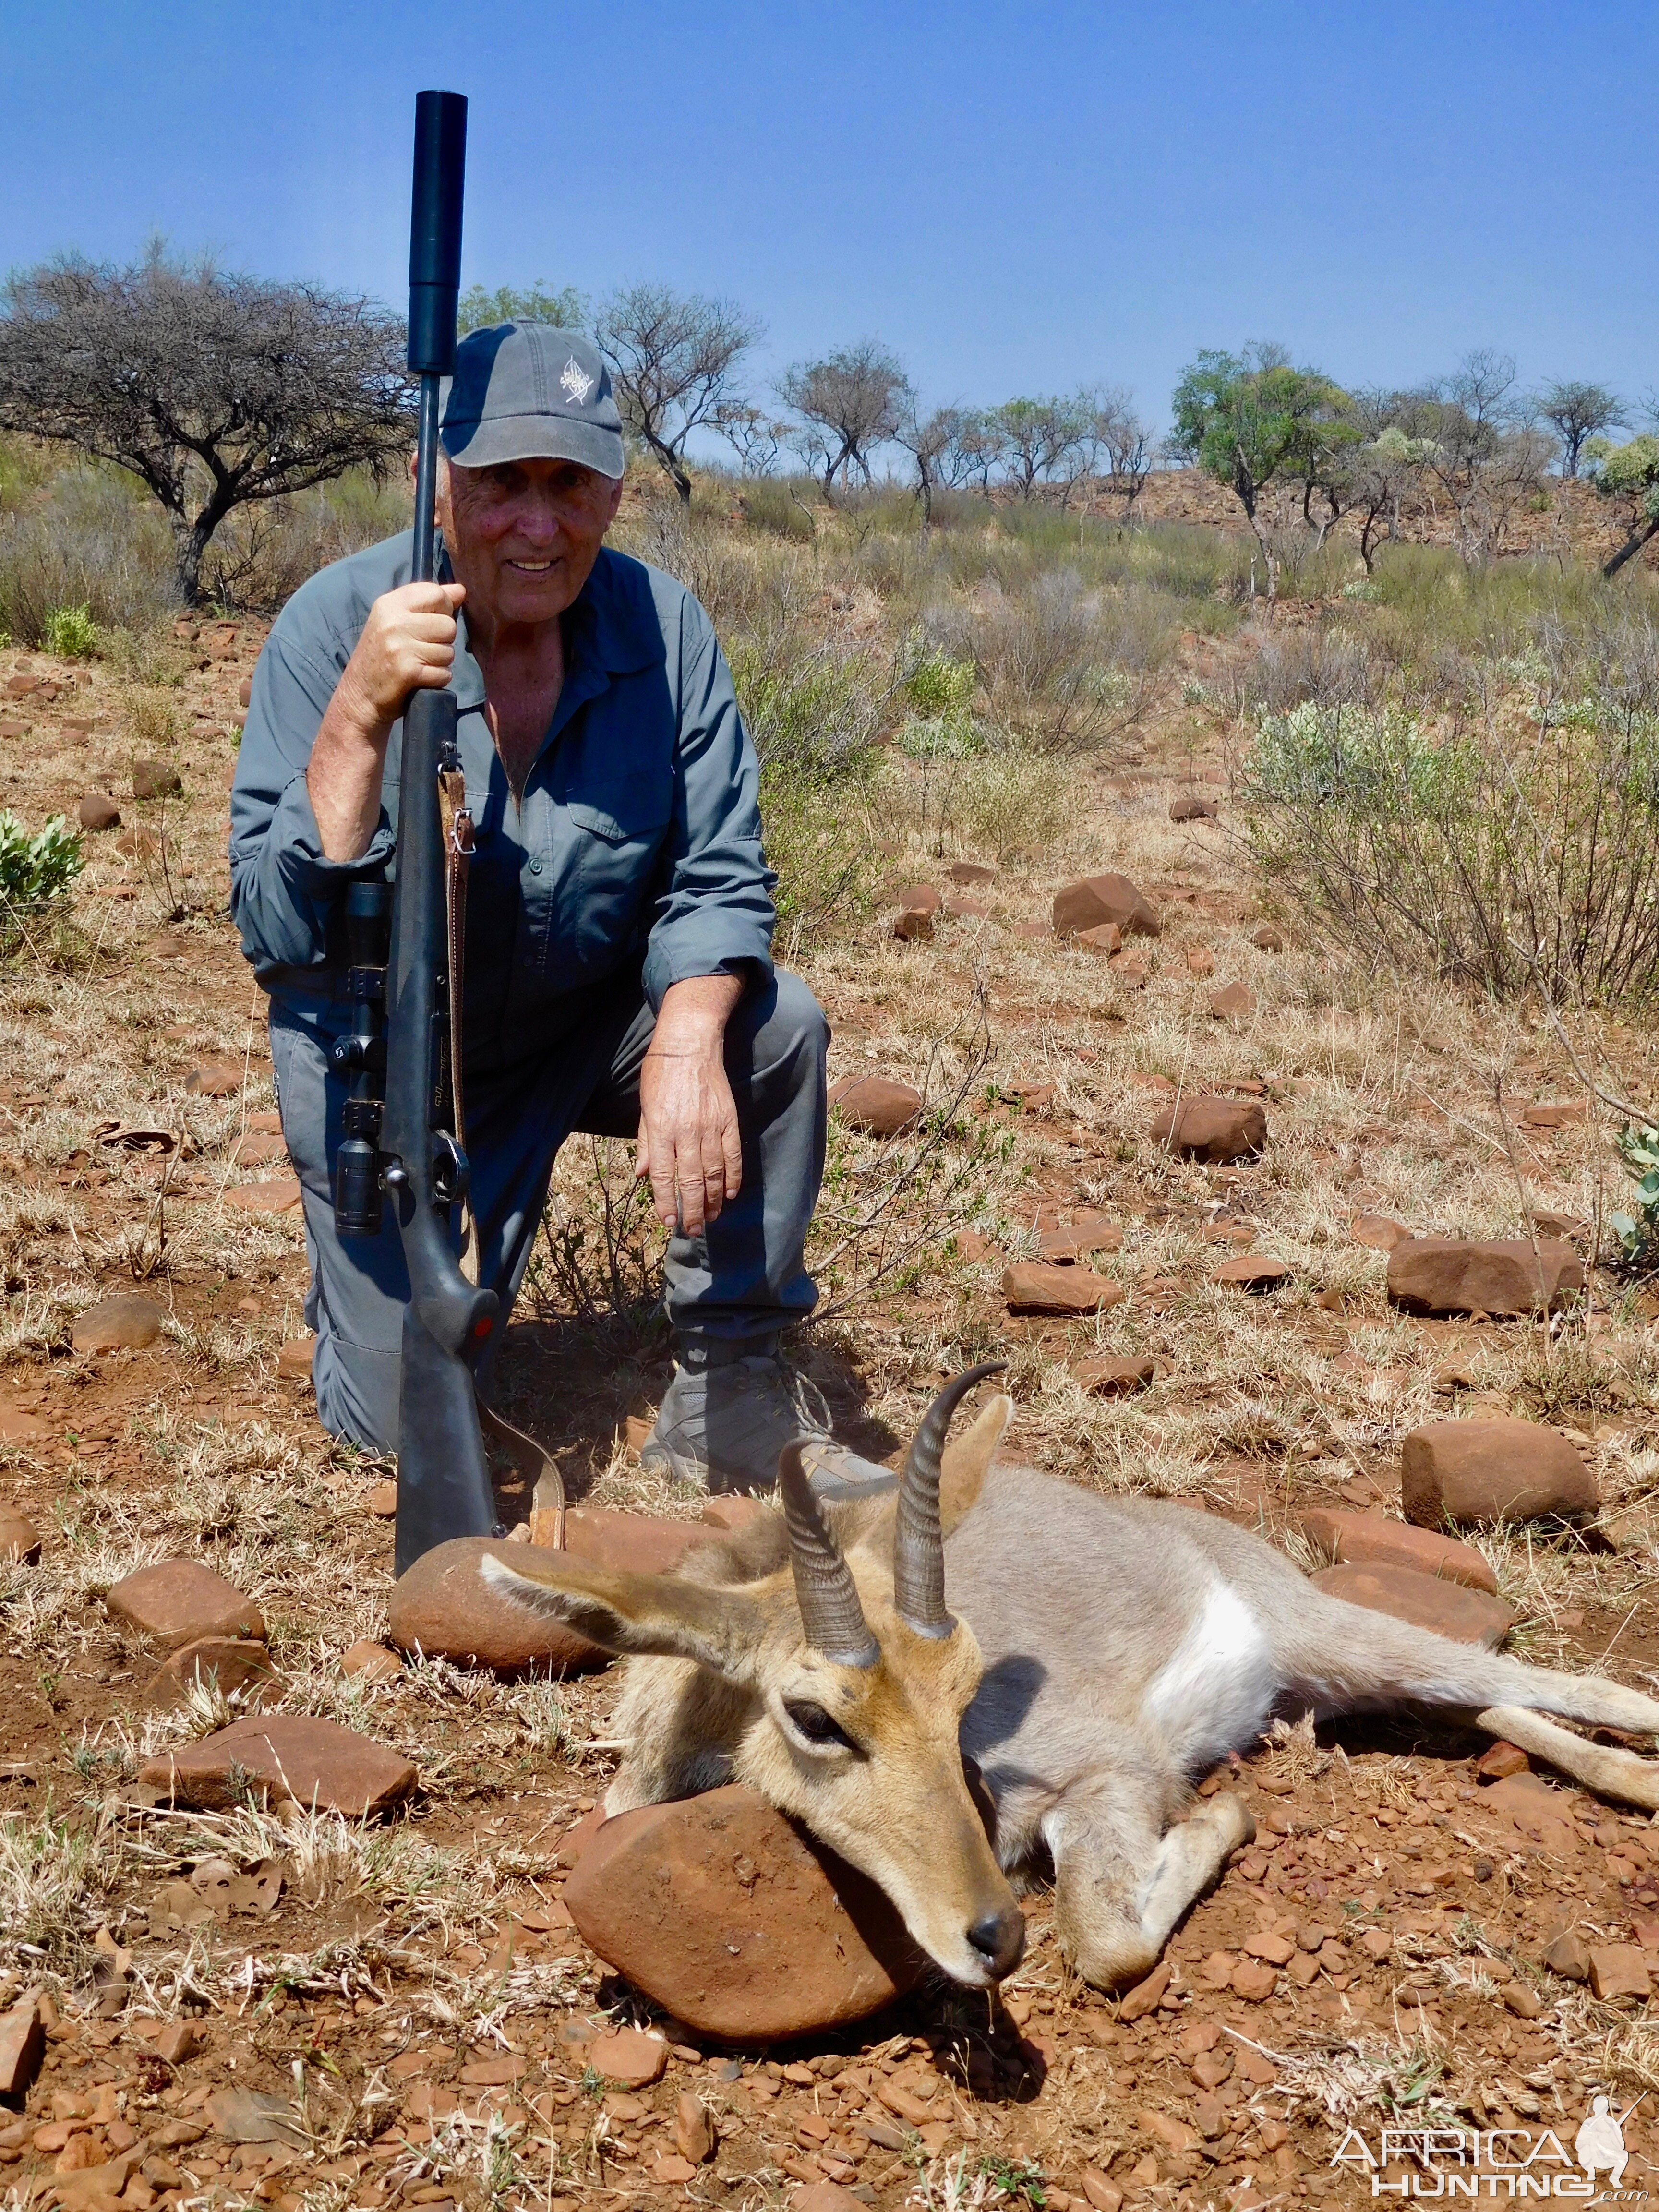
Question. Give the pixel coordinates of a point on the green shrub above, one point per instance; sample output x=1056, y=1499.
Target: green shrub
x=936, y=685
x=1638, y=1233
x=36, y=870
x=71, y=633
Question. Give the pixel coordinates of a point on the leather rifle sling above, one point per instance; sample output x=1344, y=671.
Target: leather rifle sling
x=547, y=1498
x=458, y=860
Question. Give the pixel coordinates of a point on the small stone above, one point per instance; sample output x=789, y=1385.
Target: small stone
x=972, y=871
x=828, y=2197
x=1467, y=1616
x=1561, y=1116
x=1372, y=1540
x=1378, y=1232
x=630, y=2055
x=155, y=779
x=217, y=1079
x=1251, y=1271
x=1200, y=961
x=286, y=1758
x=236, y=1665
x=382, y=1501
x=1105, y=2195
x=265, y=1123
x=19, y=1542
x=1174, y=2133
x=244, y=692
x=1096, y=899
x=177, y=1602
x=1146, y=1994
x=669, y=2170
x=22, y=2045
x=370, y=1661
x=1252, y=1981
x=694, y=2133
x=1537, y=1813
x=1567, y=1953
x=1267, y=939
x=1031, y=1286
x=1478, y=1473
x=1276, y=1950
x=913, y=925
x=1193, y=810
x=1113, y=1378
x=1619, y=1970
x=276, y=1197
x=293, y=1360
x=1525, y=2003
x=1105, y=939
x=177, y=2042
x=257, y=1152
x=1232, y=1004
x=876, y=1104
x=98, y=811
x=1447, y=1275
x=1499, y=1760
x=118, y=1324
x=1220, y=1130
x=916, y=898
x=251, y=2116
x=736, y=1921
x=1131, y=974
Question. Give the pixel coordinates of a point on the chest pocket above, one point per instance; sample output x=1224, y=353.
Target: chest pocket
x=618, y=832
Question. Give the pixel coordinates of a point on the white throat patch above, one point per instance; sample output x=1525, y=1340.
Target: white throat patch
x=574, y=381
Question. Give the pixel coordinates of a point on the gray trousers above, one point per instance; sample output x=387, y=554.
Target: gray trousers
x=745, y=1278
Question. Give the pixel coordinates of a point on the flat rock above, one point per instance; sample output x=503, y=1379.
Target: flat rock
x=1232, y=1002
x=19, y=1539
x=370, y=1661
x=286, y=1757
x=257, y=1151
x=1214, y=1129
x=1267, y=939
x=631, y=2056
x=916, y=898
x=274, y=1197
x=1565, y=1115
x=1536, y=1811
x=252, y=2116
x=1477, y=1474
x=19, y=1428
x=215, y=1079
x=236, y=1665
x=1567, y=1953
x=736, y=1921
x=1619, y=1970
x=1251, y=1271
x=1112, y=1378
x=913, y=925
x=1378, y=1232
x=1032, y=1287
x=1104, y=940
x=118, y=1324
x=98, y=811
x=295, y=1358
x=1372, y=1540
x=972, y=871
x=153, y=779
x=1095, y=899
x=178, y=1601
x=1467, y=1616
x=1499, y=1760
x=1193, y=810
x=876, y=1104
x=1452, y=1275
x=22, y=2045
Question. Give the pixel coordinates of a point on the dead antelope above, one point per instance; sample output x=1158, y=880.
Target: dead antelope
x=1108, y=1652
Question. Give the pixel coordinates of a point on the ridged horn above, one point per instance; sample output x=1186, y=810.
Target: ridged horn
x=918, y=1541
x=829, y=1609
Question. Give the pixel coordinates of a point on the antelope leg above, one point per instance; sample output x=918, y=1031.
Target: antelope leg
x=1602, y=1767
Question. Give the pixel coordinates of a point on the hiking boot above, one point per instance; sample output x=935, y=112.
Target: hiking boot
x=725, y=1420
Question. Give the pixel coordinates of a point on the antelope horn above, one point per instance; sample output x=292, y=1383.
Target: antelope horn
x=918, y=1541
x=829, y=1609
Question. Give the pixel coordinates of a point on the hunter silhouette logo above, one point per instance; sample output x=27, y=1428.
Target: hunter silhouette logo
x=575, y=381
x=1600, y=2143
x=1420, y=2162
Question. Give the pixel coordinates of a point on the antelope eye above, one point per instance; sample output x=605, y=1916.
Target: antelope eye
x=814, y=1724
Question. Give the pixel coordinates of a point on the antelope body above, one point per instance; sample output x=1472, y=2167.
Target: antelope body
x=1100, y=1655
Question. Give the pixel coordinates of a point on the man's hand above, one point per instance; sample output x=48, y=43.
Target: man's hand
x=689, y=1144
x=407, y=644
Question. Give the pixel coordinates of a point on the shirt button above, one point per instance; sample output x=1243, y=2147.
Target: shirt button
x=535, y=867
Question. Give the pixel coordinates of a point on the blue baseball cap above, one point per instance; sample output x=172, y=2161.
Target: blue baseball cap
x=528, y=391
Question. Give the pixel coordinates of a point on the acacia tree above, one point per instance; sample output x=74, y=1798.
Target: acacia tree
x=1039, y=438
x=477, y=309
x=848, y=404
x=1629, y=472
x=673, y=357
x=216, y=391
x=940, y=446
x=1118, y=432
x=1577, y=412
x=1481, y=449
x=1251, y=418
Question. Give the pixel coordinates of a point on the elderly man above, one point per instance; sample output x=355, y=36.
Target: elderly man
x=618, y=975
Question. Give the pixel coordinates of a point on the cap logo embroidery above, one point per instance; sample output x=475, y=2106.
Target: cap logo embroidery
x=574, y=381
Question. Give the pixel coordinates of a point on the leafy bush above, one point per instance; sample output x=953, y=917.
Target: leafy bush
x=88, y=543
x=36, y=870
x=936, y=685
x=1638, y=1233
x=71, y=633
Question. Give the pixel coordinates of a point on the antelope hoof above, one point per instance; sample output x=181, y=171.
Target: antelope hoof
x=1231, y=1819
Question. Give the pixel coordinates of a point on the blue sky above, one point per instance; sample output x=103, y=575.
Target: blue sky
x=1016, y=199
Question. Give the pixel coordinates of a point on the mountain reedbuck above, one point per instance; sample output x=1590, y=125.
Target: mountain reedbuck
x=1104, y=1653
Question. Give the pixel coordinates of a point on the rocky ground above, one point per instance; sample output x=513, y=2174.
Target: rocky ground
x=295, y=2006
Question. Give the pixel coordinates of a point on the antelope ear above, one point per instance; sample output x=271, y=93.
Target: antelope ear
x=651, y=1616
x=967, y=1461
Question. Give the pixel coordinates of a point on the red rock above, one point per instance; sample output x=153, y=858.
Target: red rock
x=1105, y=2195
x=1499, y=1760
x=1251, y=1271
x=293, y=1360
x=218, y=1079
x=1200, y=961
x=1252, y=1981
x=244, y=692
x=669, y=2170
x=694, y=2131
x=1475, y=1474
x=1371, y=1540
x=1174, y=2133
x=916, y=898
x=914, y=926
x=1146, y=1994
x=265, y=1124
x=1553, y=1117
x=972, y=871
x=1378, y=1231
x=1132, y=973
x=1193, y=810
x=98, y=811
x=826, y=2196
x=155, y=779
x=1233, y=1003
x=1113, y=1378
x=1030, y=1287
x=730, y=1514
x=966, y=910
x=1097, y=899
x=284, y=1757
x=1105, y=939
x=237, y=1666
x=1267, y=939
x=1619, y=1970
x=1467, y=1616
x=736, y=1922
x=18, y=1539
x=178, y=1601
x=371, y=1661
x=1215, y=1129
x=876, y=1104
x=1448, y=1275
x=1276, y=1950
x=22, y=2045
x=1536, y=1811
x=1566, y=1954
x=274, y=1197
x=382, y=1501
x=257, y=1152
x=118, y=1324
x=177, y=2042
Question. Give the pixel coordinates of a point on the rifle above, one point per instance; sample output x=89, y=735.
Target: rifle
x=410, y=1143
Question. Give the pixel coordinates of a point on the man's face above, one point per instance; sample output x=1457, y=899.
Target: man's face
x=523, y=536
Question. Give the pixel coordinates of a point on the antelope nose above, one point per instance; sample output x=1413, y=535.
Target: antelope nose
x=999, y=1939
